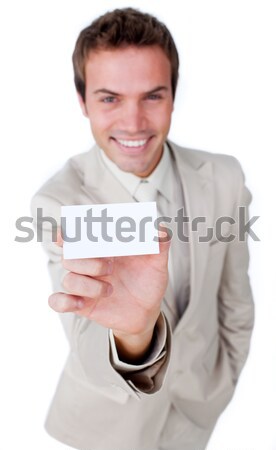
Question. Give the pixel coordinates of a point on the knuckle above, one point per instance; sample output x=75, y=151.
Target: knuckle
x=99, y=267
x=61, y=303
x=84, y=285
x=103, y=289
x=102, y=267
x=96, y=289
x=68, y=281
x=106, y=289
x=62, y=307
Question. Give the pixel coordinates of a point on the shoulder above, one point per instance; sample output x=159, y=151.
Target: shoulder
x=223, y=172
x=69, y=179
x=224, y=167
x=64, y=187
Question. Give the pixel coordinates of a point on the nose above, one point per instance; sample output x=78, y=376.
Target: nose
x=133, y=118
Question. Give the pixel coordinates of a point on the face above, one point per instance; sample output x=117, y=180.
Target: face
x=129, y=105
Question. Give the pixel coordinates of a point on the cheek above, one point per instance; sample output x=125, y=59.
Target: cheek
x=100, y=119
x=99, y=123
x=165, y=121
x=162, y=118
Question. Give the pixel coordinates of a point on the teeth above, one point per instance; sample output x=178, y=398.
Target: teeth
x=132, y=143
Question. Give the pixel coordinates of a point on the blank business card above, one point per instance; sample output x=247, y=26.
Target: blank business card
x=116, y=229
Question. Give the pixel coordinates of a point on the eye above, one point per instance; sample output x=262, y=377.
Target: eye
x=109, y=99
x=154, y=97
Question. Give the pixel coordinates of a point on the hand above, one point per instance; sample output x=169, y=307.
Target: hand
x=122, y=293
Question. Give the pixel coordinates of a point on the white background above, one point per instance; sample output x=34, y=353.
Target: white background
x=226, y=103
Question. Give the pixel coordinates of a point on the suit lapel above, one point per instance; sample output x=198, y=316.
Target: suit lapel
x=196, y=178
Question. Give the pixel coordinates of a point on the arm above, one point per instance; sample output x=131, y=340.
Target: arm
x=84, y=327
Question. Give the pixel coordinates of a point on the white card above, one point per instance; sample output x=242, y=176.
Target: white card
x=116, y=229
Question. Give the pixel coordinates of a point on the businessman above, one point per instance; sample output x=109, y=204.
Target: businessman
x=157, y=342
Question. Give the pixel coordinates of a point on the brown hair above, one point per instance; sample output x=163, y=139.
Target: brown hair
x=120, y=28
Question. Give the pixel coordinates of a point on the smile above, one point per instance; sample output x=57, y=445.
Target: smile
x=129, y=143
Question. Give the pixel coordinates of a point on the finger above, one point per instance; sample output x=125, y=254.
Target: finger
x=94, y=267
x=84, y=286
x=59, y=240
x=62, y=303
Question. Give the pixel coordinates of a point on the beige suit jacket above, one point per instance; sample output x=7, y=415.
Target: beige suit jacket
x=97, y=408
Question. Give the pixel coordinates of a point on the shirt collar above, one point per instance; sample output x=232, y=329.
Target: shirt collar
x=162, y=176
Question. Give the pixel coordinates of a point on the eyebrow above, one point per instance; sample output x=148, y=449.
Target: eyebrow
x=152, y=91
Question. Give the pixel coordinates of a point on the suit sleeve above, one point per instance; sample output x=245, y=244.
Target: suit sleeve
x=90, y=342
x=139, y=375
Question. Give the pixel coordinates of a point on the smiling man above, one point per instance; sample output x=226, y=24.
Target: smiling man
x=157, y=342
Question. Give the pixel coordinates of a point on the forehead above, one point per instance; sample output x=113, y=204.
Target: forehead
x=135, y=68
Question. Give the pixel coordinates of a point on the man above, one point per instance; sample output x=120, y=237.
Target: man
x=157, y=342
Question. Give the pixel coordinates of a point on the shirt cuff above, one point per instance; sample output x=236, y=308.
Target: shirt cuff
x=157, y=351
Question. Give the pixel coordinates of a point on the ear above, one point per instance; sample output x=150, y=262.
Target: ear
x=82, y=105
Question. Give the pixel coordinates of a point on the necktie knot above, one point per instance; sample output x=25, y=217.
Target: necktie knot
x=145, y=192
